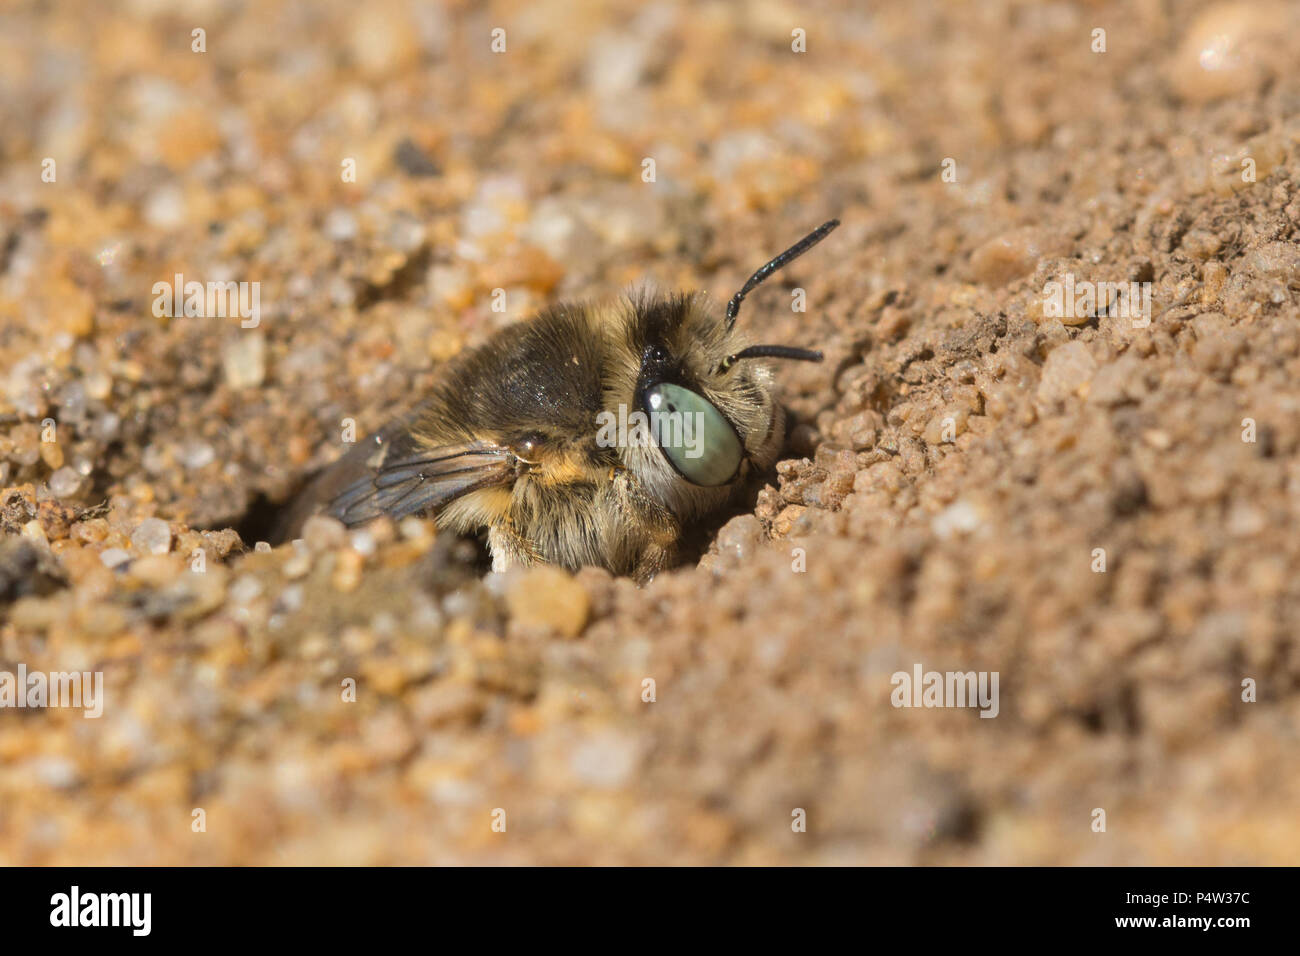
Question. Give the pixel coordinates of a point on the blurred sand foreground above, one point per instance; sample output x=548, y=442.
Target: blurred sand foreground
x=1101, y=510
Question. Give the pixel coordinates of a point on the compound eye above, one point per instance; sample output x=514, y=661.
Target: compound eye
x=694, y=436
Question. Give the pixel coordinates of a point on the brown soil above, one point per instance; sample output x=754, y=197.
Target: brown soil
x=956, y=465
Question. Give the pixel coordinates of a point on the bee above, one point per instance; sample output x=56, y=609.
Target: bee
x=588, y=435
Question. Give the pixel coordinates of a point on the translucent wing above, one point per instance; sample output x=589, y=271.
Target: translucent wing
x=410, y=481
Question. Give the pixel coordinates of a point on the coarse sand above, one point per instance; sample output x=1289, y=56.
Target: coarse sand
x=1098, y=505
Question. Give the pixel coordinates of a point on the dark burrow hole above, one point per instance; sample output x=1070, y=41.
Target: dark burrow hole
x=259, y=520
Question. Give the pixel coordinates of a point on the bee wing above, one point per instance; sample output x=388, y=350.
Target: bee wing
x=423, y=480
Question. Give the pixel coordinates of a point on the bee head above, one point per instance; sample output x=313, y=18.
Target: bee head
x=705, y=394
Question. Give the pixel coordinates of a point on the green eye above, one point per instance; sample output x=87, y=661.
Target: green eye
x=693, y=435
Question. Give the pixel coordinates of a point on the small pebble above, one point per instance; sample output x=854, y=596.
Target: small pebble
x=322, y=533
x=413, y=161
x=65, y=483
x=548, y=599
x=1231, y=49
x=607, y=759
x=340, y=225
x=244, y=359
x=152, y=536
x=196, y=454
x=245, y=589
x=114, y=557
x=740, y=537
x=1068, y=368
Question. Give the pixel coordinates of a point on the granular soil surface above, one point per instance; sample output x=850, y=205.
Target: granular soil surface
x=1097, y=506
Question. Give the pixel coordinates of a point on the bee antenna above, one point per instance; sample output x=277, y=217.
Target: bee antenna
x=771, y=351
x=794, y=252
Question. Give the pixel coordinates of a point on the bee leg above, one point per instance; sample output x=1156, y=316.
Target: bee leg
x=658, y=529
x=653, y=560
x=509, y=549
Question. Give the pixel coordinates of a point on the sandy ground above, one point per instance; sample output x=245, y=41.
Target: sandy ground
x=1100, y=509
